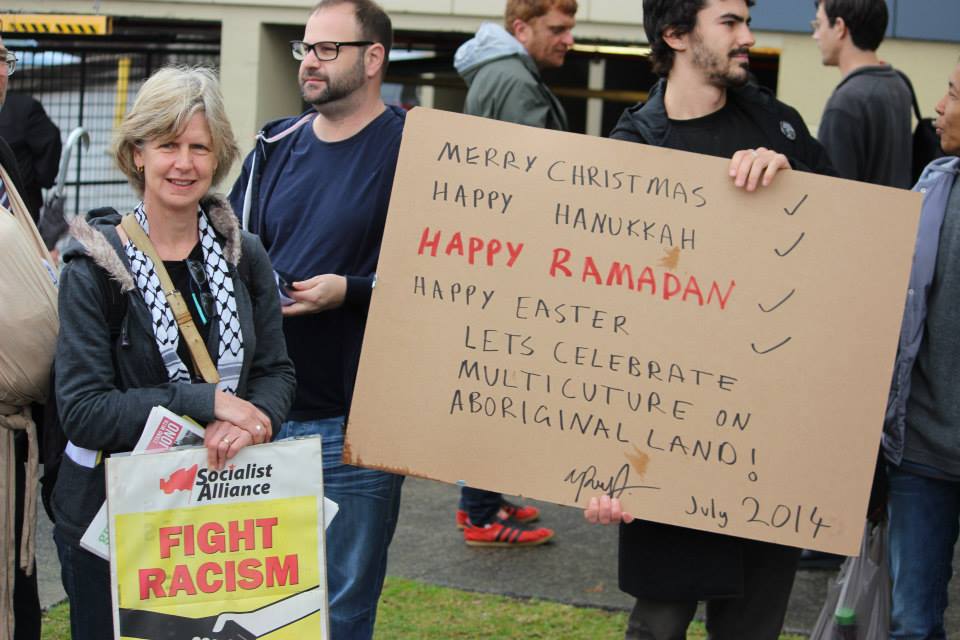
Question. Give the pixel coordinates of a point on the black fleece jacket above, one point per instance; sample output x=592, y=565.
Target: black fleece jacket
x=106, y=386
x=785, y=130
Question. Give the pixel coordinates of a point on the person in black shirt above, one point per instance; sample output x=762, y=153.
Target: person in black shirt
x=705, y=103
x=865, y=125
x=23, y=602
x=35, y=141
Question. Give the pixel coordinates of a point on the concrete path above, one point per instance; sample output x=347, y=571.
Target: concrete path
x=579, y=567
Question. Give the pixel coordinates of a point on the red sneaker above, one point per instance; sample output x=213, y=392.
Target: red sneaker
x=502, y=534
x=522, y=513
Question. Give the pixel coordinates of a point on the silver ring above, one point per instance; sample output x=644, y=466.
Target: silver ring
x=227, y=440
x=259, y=428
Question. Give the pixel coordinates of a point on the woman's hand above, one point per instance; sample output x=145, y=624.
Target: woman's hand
x=244, y=415
x=606, y=510
x=224, y=440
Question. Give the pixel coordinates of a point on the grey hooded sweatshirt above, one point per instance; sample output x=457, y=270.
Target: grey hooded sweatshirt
x=504, y=83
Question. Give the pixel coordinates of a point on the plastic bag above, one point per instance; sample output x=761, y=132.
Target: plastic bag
x=861, y=587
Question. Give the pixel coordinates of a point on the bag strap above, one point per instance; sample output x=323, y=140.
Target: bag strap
x=913, y=95
x=198, y=350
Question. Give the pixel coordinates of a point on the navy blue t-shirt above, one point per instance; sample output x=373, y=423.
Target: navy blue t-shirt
x=323, y=210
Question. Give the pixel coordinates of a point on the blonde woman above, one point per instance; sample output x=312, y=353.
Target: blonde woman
x=120, y=350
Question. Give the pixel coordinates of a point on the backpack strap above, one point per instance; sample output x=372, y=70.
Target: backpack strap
x=913, y=94
x=198, y=350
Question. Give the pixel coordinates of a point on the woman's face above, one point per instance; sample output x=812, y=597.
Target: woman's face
x=177, y=172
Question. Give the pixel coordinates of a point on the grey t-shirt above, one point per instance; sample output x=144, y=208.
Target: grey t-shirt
x=933, y=410
x=866, y=127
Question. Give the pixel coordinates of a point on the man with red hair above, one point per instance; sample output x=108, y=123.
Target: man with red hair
x=501, y=66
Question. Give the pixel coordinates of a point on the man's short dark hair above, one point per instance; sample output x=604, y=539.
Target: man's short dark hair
x=866, y=20
x=374, y=22
x=660, y=15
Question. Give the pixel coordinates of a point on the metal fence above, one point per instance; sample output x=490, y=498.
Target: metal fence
x=91, y=85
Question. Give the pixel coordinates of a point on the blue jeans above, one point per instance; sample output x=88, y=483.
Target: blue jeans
x=481, y=506
x=924, y=522
x=86, y=579
x=358, y=537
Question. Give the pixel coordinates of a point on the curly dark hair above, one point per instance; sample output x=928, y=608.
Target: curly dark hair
x=658, y=16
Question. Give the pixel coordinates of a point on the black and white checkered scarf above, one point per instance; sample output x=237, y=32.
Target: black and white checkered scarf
x=165, y=329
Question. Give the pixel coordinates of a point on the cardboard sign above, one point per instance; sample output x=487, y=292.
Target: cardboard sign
x=561, y=316
x=235, y=553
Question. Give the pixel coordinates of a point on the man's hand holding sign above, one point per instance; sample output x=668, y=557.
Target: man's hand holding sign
x=749, y=169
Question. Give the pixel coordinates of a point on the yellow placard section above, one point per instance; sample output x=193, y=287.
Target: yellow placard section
x=219, y=562
x=56, y=24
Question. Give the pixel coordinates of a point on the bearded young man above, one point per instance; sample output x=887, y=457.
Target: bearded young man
x=316, y=190
x=706, y=103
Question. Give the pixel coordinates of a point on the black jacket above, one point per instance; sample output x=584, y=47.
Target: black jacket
x=9, y=162
x=35, y=142
x=106, y=385
x=665, y=562
x=782, y=125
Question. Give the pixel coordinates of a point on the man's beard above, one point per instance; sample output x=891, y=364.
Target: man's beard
x=718, y=70
x=338, y=89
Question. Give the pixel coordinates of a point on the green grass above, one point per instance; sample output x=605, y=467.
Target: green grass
x=56, y=623
x=415, y=611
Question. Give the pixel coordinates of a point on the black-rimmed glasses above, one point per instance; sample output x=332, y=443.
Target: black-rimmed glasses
x=10, y=61
x=200, y=290
x=324, y=51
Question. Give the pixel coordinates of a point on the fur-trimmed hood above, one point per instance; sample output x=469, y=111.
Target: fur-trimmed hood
x=96, y=237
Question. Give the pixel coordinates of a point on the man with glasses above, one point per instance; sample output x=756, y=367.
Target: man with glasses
x=316, y=190
x=25, y=600
x=35, y=142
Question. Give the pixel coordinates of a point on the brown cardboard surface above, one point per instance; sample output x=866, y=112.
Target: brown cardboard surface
x=560, y=316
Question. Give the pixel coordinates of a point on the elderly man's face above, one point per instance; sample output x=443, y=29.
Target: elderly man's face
x=948, y=115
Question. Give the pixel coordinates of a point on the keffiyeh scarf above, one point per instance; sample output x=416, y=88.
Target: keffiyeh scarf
x=165, y=329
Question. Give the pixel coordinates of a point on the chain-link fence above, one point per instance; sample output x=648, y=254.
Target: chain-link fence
x=91, y=85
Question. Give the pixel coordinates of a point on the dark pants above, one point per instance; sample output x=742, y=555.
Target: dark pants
x=924, y=525
x=481, y=506
x=26, y=602
x=757, y=615
x=86, y=579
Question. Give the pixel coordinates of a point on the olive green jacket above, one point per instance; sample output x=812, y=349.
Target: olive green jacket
x=504, y=83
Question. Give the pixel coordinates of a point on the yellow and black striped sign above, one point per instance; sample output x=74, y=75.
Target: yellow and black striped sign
x=75, y=25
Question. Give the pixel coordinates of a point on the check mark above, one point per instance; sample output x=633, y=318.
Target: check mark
x=790, y=212
x=784, y=254
x=777, y=306
x=773, y=348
